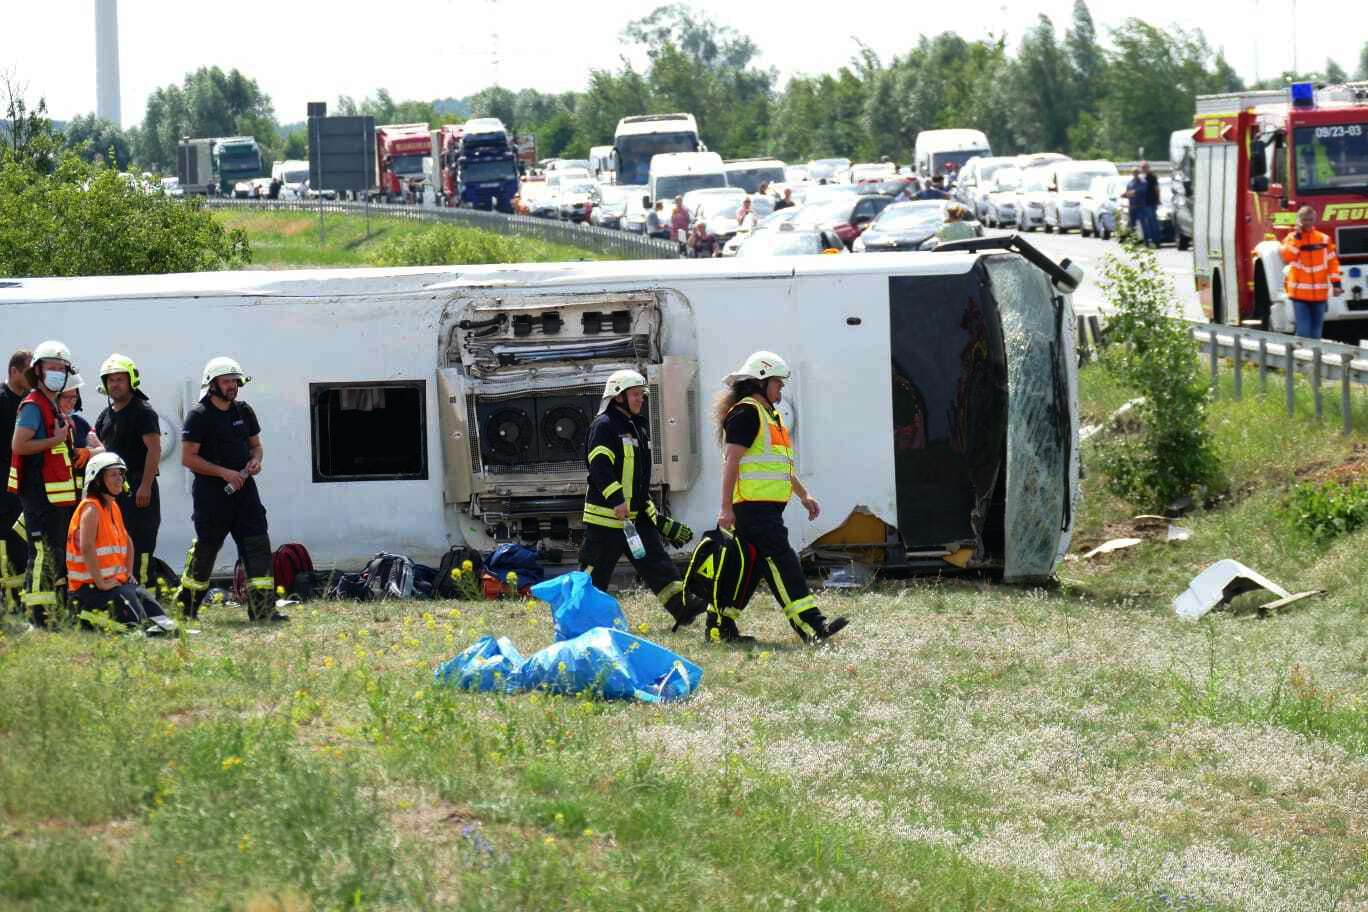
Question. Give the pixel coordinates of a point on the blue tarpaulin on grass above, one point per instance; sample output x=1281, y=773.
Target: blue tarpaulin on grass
x=595, y=654
x=577, y=606
x=614, y=664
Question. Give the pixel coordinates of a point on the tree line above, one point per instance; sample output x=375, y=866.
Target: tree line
x=1071, y=91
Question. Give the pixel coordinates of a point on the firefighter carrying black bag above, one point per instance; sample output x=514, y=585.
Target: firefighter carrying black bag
x=722, y=573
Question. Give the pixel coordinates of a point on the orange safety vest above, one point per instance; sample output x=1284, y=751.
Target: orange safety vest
x=113, y=550
x=58, y=479
x=1314, y=266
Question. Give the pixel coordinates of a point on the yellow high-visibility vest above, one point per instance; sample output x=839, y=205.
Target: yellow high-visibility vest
x=766, y=470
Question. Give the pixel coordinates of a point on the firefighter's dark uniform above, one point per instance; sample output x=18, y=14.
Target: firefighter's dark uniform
x=764, y=485
x=619, y=463
x=48, y=493
x=122, y=431
x=222, y=435
x=13, y=546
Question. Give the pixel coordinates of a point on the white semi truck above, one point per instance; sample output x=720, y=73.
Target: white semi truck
x=933, y=399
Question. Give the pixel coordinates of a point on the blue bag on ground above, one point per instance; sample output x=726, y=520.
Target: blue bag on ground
x=576, y=606
x=611, y=663
x=490, y=664
x=617, y=664
x=516, y=559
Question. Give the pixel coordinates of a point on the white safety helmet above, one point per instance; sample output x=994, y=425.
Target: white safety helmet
x=74, y=382
x=98, y=463
x=761, y=365
x=222, y=366
x=619, y=382
x=52, y=350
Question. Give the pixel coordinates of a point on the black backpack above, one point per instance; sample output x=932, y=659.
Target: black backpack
x=723, y=570
x=389, y=576
x=445, y=587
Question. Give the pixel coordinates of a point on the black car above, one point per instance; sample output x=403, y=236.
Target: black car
x=907, y=226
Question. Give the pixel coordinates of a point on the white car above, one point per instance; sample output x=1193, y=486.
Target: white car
x=611, y=208
x=1067, y=187
x=1030, y=196
x=975, y=181
x=634, y=216
x=999, y=209
x=1097, y=211
x=575, y=198
x=829, y=170
x=721, y=216
x=795, y=174
x=871, y=171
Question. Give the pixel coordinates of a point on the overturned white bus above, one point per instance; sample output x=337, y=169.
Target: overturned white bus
x=933, y=401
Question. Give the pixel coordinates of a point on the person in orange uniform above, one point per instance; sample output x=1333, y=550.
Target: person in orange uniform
x=1314, y=273
x=99, y=554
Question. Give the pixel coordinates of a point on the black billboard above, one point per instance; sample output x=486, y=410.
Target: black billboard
x=342, y=153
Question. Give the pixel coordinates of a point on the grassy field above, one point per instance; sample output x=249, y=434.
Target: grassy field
x=962, y=746
x=289, y=240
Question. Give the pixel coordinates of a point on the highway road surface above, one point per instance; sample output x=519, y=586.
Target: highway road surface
x=1089, y=253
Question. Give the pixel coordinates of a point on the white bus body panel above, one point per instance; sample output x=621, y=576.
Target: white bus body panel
x=829, y=316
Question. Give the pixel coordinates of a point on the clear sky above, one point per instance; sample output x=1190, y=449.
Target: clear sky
x=300, y=50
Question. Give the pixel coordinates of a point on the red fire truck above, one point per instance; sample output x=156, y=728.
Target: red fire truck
x=400, y=150
x=447, y=142
x=1258, y=158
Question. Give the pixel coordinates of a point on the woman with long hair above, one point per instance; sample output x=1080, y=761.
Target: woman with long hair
x=757, y=482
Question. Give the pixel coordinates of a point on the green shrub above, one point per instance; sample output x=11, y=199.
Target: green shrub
x=1150, y=351
x=1320, y=512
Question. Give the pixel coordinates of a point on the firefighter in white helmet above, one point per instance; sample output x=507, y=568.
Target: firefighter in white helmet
x=758, y=479
x=99, y=553
x=618, y=457
x=129, y=426
x=221, y=444
x=41, y=474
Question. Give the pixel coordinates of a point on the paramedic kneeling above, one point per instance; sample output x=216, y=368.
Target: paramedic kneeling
x=99, y=553
x=618, y=501
x=757, y=482
x=221, y=444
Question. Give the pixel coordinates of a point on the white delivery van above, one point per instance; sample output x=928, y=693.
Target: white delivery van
x=944, y=152
x=293, y=176
x=676, y=173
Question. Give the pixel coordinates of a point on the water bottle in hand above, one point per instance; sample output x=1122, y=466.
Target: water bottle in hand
x=228, y=485
x=633, y=539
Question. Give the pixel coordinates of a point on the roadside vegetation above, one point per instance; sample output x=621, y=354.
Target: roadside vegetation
x=285, y=240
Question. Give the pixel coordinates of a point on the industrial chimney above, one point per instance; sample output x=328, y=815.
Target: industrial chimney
x=107, y=62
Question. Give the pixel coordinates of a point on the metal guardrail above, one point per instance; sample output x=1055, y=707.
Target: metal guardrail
x=1318, y=359
x=620, y=245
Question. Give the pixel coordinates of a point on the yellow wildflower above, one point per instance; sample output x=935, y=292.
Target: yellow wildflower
x=230, y=762
x=467, y=566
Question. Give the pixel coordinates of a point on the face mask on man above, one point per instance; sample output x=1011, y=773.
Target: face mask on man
x=55, y=380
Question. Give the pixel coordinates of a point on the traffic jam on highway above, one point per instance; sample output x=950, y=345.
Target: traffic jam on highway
x=1230, y=192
